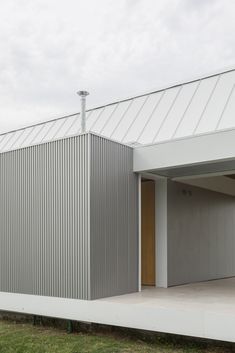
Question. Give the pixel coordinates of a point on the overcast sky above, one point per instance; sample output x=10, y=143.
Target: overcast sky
x=51, y=48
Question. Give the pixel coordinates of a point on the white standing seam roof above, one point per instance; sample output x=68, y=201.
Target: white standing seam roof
x=200, y=106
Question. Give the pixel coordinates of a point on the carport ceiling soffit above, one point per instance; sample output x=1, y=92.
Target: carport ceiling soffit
x=184, y=171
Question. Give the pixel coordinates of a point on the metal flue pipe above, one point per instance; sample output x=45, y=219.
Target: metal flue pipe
x=83, y=95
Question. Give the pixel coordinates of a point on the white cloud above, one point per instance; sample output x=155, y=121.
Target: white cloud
x=49, y=49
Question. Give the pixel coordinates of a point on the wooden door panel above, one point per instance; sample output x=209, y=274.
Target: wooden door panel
x=148, y=233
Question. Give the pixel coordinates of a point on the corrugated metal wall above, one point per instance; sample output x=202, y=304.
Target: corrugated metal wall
x=44, y=219
x=68, y=219
x=114, y=219
x=201, y=234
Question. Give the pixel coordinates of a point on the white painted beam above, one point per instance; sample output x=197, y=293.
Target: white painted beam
x=201, y=149
x=161, y=233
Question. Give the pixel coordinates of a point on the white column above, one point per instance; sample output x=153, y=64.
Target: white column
x=161, y=232
x=139, y=228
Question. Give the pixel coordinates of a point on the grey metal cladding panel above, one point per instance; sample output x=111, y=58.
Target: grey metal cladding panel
x=114, y=222
x=44, y=219
x=201, y=235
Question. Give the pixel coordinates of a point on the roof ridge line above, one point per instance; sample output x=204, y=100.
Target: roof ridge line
x=153, y=91
x=168, y=86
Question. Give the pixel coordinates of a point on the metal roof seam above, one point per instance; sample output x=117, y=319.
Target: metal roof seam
x=151, y=115
x=20, y=135
x=3, y=139
x=57, y=131
x=6, y=142
x=40, y=123
x=188, y=81
x=188, y=105
x=169, y=86
x=168, y=112
x=50, y=127
x=206, y=105
x=106, y=122
x=26, y=136
x=119, y=122
x=138, y=113
x=37, y=133
x=100, y=129
x=41, y=140
x=73, y=122
x=197, y=107
x=225, y=107
x=98, y=117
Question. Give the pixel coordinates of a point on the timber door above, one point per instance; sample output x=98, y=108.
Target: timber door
x=148, y=233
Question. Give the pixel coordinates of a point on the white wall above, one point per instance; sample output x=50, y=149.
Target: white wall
x=201, y=234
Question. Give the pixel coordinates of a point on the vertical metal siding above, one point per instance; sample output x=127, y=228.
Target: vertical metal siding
x=201, y=234
x=114, y=219
x=44, y=219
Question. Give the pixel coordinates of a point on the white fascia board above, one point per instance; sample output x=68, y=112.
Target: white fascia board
x=201, y=149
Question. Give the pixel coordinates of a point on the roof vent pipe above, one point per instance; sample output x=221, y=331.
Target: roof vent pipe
x=83, y=95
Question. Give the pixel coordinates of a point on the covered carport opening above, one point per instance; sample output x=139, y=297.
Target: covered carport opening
x=200, y=228
x=195, y=210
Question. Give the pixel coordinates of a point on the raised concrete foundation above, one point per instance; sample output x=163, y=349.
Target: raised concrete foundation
x=202, y=310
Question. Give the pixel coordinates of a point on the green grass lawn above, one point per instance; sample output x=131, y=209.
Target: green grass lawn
x=25, y=338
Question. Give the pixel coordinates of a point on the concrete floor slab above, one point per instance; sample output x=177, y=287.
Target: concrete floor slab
x=205, y=309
